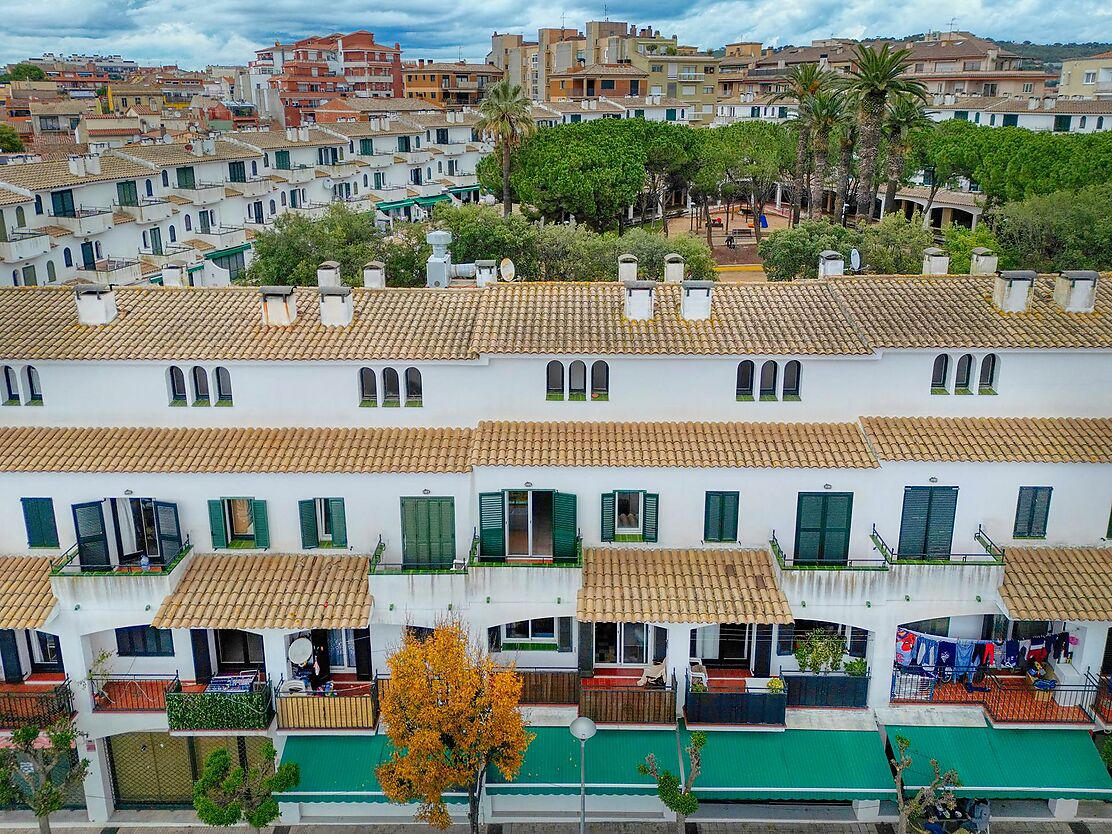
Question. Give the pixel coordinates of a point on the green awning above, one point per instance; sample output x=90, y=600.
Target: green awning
x=436, y=198
x=462, y=189
x=396, y=204
x=795, y=765
x=231, y=250
x=337, y=768
x=551, y=763
x=1008, y=764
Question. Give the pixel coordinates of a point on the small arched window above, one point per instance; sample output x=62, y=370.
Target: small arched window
x=940, y=375
x=223, y=386
x=266, y=160
x=20, y=217
x=177, y=385
x=34, y=389
x=146, y=240
x=768, y=380
x=273, y=207
x=577, y=381
x=51, y=271
x=148, y=188
x=987, y=382
x=11, y=386
x=283, y=196
x=67, y=257
x=200, y=386
x=600, y=381
x=745, y=380
x=173, y=233
x=254, y=168
x=1083, y=120
x=188, y=223
x=391, y=388
x=554, y=380
x=963, y=375
x=368, y=388
x=413, y=391
x=791, y=380
x=365, y=180
x=165, y=179
x=38, y=204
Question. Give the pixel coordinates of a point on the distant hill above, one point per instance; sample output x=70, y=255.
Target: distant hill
x=1055, y=53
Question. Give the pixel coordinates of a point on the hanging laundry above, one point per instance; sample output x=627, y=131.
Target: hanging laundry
x=964, y=659
x=988, y=657
x=1038, y=651
x=1011, y=654
x=947, y=653
x=905, y=646
x=927, y=651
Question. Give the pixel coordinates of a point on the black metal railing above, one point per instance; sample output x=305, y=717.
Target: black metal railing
x=850, y=563
x=69, y=564
x=828, y=689
x=992, y=554
x=132, y=693
x=344, y=706
x=756, y=706
x=38, y=705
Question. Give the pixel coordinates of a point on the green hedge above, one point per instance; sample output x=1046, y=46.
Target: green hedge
x=219, y=710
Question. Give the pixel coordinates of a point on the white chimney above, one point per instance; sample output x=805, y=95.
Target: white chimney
x=279, y=306
x=697, y=296
x=291, y=134
x=173, y=275
x=303, y=133
x=1012, y=289
x=328, y=274
x=831, y=263
x=935, y=261
x=639, y=299
x=1075, y=291
x=92, y=164
x=337, y=306
x=385, y=122
x=982, y=261
x=96, y=304
x=486, y=272
x=673, y=268
x=77, y=165
x=374, y=275
x=627, y=267
x=1032, y=103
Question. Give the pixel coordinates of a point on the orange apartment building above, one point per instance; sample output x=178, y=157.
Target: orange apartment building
x=597, y=81
x=456, y=84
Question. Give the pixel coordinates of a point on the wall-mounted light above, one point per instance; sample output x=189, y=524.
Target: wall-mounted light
x=147, y=607
x=528, y=483
x=803, y=604
x=77, y=607
x=488, y=600
x=449, y=606
x=426, y=491
x=391, y=606
x=129, y=492
x=933, y=479
x=907, y=597
x=559, y=600
x=868, y=604
x=827, y=486
x=978, y=597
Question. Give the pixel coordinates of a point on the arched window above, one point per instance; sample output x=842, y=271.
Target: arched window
x=365, y=180
x=266, y=160
x=577, y=381
x=791, y=380
x=51, y=272
x=1083, y=120
x=67, y=257
x=20, y=217
x=148, y=188
x=11, y=386
x=97, y=250
x=200, y=386
x=413, y=390
x=368, y=388
x=768, y=380
x=1100, y=122
x=273, y=207
x=177, y=386
x=223, y=387
x=254, y=168
x=987, y=382
x=963, y=374
x=600, y=381
x=940, y=375
x=391, y=388
x=165, y=179
x=38, y=204
x=173, y=233
x=34, y=389
x=283, y=196
x=146, y=240
x=745, y=380
x=188, y=223
x=554, y=380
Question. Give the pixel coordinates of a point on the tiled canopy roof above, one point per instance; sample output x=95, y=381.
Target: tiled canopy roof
x=991, y=439
x=680, y=586
x=270, y=591
x=177, y=154
x=26, y=598
x=1058, y=583
x=40, y=176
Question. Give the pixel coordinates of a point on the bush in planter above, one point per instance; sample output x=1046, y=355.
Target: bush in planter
x=775, y=686
x=857, y=668
x=820, y=651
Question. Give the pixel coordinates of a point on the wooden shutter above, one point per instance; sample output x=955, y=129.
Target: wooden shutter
x=940, y=527
x=586, y=649
x=339, y=522
x=9, y=656
x=712, y=517
x=307, y=513
x=38, y=515
x=836, y=524
x=1040, y=511
x=563, y=525
x=441, y=530
x=362, y=638
x=564, y=638
x=762, y=653
x=729, y=516
x=414, y=553
x=216, y=524
x=649, y=523
x=808, y=526
x=492, y=529
x=92, y=539
x=262, y=526
x=913, y=522
x=169, y=529
x=1032, y=510
x=606, y=532
x=202, y=657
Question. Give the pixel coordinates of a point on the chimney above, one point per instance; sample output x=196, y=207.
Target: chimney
x=935, y=261
x=96, y=304
x=1075, y=291
x=831, y=263
x=303, y=133
x=1032, y=103
x=328, y=274
x=173, y=275
x=1048, y=103
x=697, y=296
x=438, y=268
x=982, y=261
x=1012, y=289
x=486, y=272
x=627, y=267
x=291, y=134
x=77, y=165
x=673, y=268
x=336, y=306
x=374, y=275
x=279, y=306
x=639, y=299
x=92, y=164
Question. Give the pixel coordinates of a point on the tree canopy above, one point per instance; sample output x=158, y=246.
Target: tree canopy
x=23, y=72
x=40, y=776
x=9, y=139
x=227, y=794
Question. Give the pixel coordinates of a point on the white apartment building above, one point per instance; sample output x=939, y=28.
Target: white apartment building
x=607, y=481
x=652, y=108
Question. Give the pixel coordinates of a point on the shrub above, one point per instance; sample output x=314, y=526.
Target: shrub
x=960, y=243
x=794, y=253
x=895, y=245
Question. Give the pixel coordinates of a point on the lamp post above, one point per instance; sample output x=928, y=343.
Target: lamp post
x=583, y=728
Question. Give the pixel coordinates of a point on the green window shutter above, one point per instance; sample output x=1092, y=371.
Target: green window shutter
x=307, y=512
x=564, y=626
x=836, y=523
x=712, y=517
x=1032, y=510
x=339, y=522
x=913, y=523
x=262, y=527
x=42, y=528
x=428, y=532
x=649, y=523
x=940, y=529
x=607, y=532
x=729, y=516
x=1023, y=512
x=586, y=649
x=563, y=525
x=810, y=509
x=412, y=543
x=216, y=524
x=492, y=530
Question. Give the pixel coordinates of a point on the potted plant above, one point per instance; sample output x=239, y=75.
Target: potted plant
x=775, y=686
x=857, y=668
x=824, y=678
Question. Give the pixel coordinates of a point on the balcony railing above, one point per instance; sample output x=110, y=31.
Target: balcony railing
x=32, y=704
x=170, y=252
x=549, y=686
x=629, y=704
x=132, y=693
x=145, y=210
x=85, y=220
x=871, y=563
x=831, y=689
x=526, y=562
x=991, y=555
x=346, y=706
x=756, y=706
x=69, y=564
x=113, y=270
x=221, y=710
x=23, y=244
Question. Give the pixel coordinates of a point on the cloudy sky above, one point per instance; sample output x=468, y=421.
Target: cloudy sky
x=227, y=31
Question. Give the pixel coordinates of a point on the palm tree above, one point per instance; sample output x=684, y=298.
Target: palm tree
x=826, y=109
x=878, y=76
x=505, y=113
x=803, y=80
x=847, y=139
x=906, y=116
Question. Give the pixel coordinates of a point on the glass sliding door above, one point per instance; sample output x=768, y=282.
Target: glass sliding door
x=529, y=523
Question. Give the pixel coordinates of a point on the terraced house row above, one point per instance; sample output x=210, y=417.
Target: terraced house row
x=650, y=497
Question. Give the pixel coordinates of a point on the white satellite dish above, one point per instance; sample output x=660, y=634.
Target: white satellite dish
x=327, y=182
x=507, y=270
x=300, y=651
x=854, y=259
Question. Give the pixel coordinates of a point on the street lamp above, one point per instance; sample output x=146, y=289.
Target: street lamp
x=583, y=728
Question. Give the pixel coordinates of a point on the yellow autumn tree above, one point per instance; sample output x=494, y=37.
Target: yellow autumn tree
x=450, y=713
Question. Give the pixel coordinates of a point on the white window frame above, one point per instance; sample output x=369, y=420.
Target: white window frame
x=324, y=519
x=533, y=636
x=619, y=530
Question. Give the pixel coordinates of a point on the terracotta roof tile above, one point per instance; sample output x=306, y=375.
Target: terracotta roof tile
x=165, y=155
x=1058, y=583
x=26, y=598
x=40, y=176
x=11, y=198
x=680, y=586
x=270, y=591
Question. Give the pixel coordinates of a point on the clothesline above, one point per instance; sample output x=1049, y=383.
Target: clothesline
x=914, y=648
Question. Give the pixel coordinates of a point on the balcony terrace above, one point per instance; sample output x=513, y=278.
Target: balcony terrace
x=29, y=702
x=85, y=221
x=112, y=271
x=148, y=210
x=342, y=705
x=24, y=244
x=201, y=193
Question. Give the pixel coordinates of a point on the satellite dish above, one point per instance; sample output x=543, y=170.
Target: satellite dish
x=327, y=182
x=855, y=259
x=300, y=651
x=507, y=270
